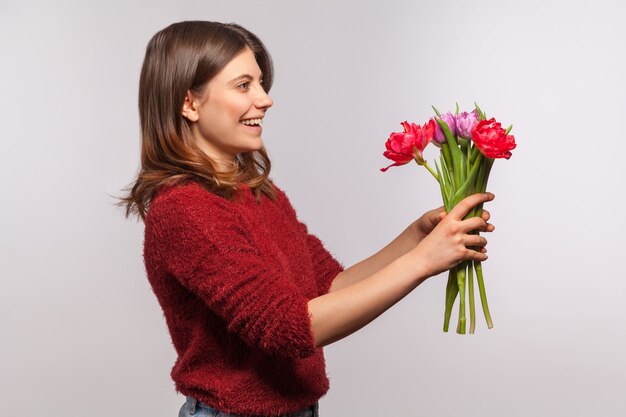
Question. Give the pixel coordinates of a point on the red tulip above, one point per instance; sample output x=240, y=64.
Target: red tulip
x=401, y=146
x=491, y=139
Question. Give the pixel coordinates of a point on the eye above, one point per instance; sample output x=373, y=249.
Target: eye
x=244, y=86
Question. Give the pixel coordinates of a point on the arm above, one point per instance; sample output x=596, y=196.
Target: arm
x=401, y=245
x=347, y=309
x=200, y=241
x=331, y=276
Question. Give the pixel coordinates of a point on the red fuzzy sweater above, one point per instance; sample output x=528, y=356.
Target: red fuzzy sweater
x=233, y=280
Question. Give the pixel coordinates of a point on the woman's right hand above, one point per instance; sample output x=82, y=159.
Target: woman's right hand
x=449, y=243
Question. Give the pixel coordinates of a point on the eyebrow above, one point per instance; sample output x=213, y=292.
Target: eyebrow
x=242, y=76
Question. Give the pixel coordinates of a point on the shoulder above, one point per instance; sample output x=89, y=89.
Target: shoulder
x=188, y=203
x=281, y=198
x=188, y=193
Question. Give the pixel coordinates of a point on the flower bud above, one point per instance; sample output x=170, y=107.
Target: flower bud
x=465, y=122
x=439, y=138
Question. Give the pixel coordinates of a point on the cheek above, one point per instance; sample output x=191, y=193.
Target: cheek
x=222, y=116
x=217, y=119
x=236, y=106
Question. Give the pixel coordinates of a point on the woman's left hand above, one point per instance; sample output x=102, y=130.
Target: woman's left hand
x=429, y=220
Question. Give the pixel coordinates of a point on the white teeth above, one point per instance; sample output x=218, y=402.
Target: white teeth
x=251, y=122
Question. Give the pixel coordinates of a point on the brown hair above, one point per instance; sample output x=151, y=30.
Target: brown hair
x=184, y=57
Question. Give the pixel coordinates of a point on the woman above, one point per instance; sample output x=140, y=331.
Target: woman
x=249, y=296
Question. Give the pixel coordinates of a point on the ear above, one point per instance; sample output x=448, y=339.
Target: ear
x=190, y=108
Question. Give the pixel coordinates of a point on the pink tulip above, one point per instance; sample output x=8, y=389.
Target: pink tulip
x=465, y=122
x=439, y=138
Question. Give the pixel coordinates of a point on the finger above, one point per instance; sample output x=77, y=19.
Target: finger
x=485, y=215
x=473, y=223
x=474, y=240
x=479, y=256
x=465, y=205
x=473, y=255
x=438, y=213
x=435, y=216
x=487, y=228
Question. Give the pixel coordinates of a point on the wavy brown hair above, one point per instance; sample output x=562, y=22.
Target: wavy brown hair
x=184, y=57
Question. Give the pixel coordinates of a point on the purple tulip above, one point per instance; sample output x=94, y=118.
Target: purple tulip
x=465, y=122
x=439, y=138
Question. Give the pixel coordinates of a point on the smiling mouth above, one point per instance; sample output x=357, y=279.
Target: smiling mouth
x=252, y=122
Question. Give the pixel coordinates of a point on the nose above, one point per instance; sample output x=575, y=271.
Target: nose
x=263, y=100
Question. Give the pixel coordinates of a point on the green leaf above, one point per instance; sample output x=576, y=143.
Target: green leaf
x=509, y=129
x=445, y=150
x=454, y=149
x=457, y=109
x=448, y=178
x=442, y=187
x=469, y=182
x=436, y=111
x=484, y=179
x=481, y=115
x=475, y=153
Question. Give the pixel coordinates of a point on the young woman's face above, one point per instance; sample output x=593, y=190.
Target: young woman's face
x=229, y=116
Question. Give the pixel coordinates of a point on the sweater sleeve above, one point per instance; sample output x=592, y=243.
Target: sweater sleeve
x=325, y=266
x=203, y=243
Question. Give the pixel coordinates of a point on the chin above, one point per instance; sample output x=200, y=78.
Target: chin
x=256, y=146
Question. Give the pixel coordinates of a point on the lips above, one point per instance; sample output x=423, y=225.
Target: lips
x=252, y=122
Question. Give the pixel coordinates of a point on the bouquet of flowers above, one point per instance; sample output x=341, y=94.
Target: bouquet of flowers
x=469, y=144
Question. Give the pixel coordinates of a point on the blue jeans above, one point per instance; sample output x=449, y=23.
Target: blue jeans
x=195, y=408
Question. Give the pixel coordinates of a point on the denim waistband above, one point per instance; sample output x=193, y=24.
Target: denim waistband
x=193, y=405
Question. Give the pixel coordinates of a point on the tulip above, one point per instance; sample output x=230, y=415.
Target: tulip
x=492, y=140
x=465, y=122
x=468, y=145
x=439, y=137
x=403, y=147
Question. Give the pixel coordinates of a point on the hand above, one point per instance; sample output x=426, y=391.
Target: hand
x=429, y=220
x=448, y=243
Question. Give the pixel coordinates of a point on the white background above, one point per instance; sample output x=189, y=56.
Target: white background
x=81, y=332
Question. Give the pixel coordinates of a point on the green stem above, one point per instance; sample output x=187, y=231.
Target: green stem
x=488, y=163
x=447, y=156
x=451, y=291
x=461, y=283
x=464, y=144
x=447, y=179
x=478, y=187
x=442, y=187
x=469, y=182
x=433, y=173
x=483, y=295
x=475, y=153
x=470, y=289
x=469, y=158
